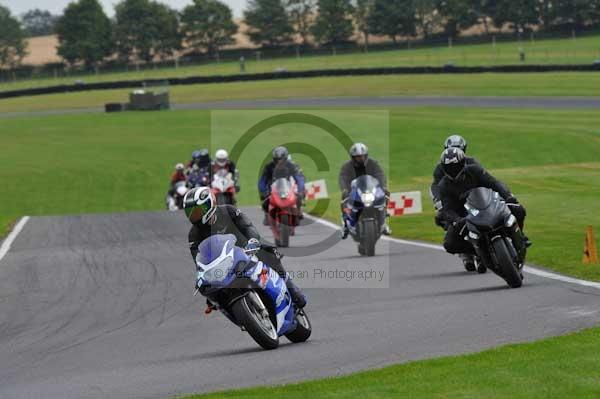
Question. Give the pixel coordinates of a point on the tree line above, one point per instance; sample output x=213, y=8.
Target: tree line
x=143, y=30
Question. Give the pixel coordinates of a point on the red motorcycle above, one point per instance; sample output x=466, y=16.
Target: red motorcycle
x=283, y=210
x=223, y=187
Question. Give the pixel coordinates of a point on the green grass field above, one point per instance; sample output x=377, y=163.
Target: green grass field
x=563, y=367
x=558, y=51
x=542, y=84
x=107, y=163
x=121, y=162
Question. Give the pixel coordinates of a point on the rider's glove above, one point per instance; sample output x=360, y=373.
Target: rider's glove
x=252, y=246
x=460, y=224
x=512, y=200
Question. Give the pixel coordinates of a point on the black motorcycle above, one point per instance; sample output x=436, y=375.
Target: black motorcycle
x=494, y=233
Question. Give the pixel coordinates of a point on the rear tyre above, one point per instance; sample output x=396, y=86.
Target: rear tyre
x=303, y=329
x=284, y=231
x=506, y=264
x=369, y=237
x=256, y=321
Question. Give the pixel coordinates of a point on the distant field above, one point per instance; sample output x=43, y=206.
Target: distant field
x=558, y=51
x=535, y=84
x=110, y=163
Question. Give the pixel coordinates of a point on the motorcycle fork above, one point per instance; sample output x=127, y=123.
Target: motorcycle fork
x=485, y=255
x=518, y=243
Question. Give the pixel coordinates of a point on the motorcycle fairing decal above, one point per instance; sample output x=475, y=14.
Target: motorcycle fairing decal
x=276, y=290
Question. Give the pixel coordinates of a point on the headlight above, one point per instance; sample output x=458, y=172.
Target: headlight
x=216, y=273
x=367, y=198
x=511, y=221
x=473, y=235
x=471, y=210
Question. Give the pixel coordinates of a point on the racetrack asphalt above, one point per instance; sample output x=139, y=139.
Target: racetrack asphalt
x=370, y=102
x=101, y=306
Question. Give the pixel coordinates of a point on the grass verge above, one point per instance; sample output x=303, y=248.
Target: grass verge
x=563, y=367
x=556, y=51
x=537, y=84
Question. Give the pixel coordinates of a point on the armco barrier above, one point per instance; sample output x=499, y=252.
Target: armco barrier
x=130, y=84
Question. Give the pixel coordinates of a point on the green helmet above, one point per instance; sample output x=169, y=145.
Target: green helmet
x=199, y=205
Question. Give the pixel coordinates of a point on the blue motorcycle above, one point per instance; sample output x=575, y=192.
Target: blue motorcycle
x=366, y=215
x=198, y=177
x=248, y=292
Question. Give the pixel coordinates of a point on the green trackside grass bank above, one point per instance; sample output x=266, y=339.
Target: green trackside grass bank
x=563, y=367
x=559, y=51
x=108, y=163
x=534, y=84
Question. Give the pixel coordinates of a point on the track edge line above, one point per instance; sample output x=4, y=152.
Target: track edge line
x=527, y=269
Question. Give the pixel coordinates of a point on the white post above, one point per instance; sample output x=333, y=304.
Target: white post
x=449, y=41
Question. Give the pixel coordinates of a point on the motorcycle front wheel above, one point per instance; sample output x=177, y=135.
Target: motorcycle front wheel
x=251, y=313
x=369, y=237
x=506, y=264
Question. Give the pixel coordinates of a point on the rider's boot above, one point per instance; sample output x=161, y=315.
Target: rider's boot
x=297, y=296
x=345, y=231
x=481, y=268
x=468, y=262
x=387, y=230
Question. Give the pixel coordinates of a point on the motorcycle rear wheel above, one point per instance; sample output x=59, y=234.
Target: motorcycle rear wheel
x=303, y=328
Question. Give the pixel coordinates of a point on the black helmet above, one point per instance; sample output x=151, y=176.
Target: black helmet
x=359, y=154
x=199, y=205
x=280, y=153
x=201, y=157
x=453, y=163
x=456, y=141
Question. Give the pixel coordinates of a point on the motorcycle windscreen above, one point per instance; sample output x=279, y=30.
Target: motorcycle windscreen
x=490, y=210
x=365, y=183
x=480, y=198
x=283, y=187
x=216, y=260
x=181, y=188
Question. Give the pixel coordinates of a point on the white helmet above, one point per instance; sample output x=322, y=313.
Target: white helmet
x=359, y=153
x=359, y=149
x=179, y=166
x=221, y=157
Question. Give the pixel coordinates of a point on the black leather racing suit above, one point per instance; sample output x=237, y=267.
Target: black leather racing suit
x=434, y=191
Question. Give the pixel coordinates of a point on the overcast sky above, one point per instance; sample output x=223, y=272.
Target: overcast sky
x=57, y=6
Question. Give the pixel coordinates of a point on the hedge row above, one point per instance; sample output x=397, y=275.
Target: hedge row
x=131, y=84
